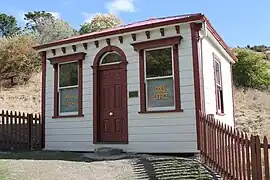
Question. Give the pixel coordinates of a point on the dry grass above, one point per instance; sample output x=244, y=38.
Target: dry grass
x=26, y=98
x=253, y=111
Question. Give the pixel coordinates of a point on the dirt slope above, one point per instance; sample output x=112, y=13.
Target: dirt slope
x=252, y=111
x=25, y=98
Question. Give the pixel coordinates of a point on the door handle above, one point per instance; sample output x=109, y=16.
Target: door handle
x=111, y=113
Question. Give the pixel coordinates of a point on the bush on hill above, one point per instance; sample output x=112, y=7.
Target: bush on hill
x=18, y=59
x=251, y=70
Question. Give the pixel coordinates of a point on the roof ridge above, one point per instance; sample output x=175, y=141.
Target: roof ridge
x=141, y=21
x=180, y=15
x=162, y=17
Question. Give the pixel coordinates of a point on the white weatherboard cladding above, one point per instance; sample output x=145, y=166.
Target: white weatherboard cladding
x=209, y=83
x=157, y=132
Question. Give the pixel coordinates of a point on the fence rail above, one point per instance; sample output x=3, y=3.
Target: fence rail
x=231, y=152
x=20, y=131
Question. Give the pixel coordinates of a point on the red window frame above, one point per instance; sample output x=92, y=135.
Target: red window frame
x=218, y=86
x=159, y=43
x=78, y=57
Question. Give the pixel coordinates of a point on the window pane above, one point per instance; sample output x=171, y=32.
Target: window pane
x=158, y=62
x=219, y=98
x=218, y=78
x=68, y=100
x=218, y=101
x=68, y=74
x=111, y=58
x=160, y=92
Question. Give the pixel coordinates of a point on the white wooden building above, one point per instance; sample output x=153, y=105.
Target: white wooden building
x=138, y=87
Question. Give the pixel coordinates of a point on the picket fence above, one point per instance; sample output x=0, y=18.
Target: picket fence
x=20, y=131
x=232, y=153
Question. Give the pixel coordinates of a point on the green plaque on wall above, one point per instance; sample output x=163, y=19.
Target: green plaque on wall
x=133, y=94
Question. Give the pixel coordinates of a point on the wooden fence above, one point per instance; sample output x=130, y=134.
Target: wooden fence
x=232, y=153
x=20, y=131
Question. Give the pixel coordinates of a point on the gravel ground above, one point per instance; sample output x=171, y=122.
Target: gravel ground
x=73, y=166
x=68, y=170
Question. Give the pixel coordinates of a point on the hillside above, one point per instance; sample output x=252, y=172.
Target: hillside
x=252, y=106
x=25, y=98
x=252, y=111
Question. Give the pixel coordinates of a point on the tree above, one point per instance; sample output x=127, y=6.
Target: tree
x=259, y=48
x=18, y=58
x=47, y=28
x=8, y=25
x=36, y=19
x=100, y=22
x=251, y=69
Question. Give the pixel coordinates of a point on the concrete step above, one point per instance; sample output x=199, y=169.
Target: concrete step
x=108, y=151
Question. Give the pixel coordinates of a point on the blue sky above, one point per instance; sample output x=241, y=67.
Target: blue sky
x=239, y=22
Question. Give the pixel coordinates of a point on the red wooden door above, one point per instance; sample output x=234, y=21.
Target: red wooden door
x=112, y=109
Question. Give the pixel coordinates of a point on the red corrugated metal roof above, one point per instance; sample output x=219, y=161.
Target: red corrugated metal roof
x=153, y=22
x=140, y=25
x=132, y=25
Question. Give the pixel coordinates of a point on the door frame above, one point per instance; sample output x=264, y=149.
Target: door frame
x=96, y=92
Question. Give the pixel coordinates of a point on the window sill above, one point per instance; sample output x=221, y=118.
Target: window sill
x=68, y=116
x=220, y=114
x=162, y=111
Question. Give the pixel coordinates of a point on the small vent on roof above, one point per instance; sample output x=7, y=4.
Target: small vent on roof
x=151, y=18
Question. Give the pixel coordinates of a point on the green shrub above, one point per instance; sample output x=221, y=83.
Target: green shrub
x=18, y=58
x=251, y=70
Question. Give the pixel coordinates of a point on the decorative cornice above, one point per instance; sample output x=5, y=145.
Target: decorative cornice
x=96, y=44
x=133, y=37
x=162, y=32
x=147, y=33
x=108, y=41
x=120, y=39
x=53, y=51
x=67, y=58
x=74, y=48
x=157, y=43
x=63, y=49
x=85, y=46
x=177, y=29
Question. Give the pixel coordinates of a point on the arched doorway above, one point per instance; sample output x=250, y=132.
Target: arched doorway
x=110, y=96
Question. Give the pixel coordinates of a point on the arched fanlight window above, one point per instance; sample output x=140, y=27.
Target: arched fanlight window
x=110, y=58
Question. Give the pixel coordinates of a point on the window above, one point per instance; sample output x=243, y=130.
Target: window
x=68, y=85
x=159, y=79
x=218, y=86
x=68, y=88
x=159, y=75
x=111, y=58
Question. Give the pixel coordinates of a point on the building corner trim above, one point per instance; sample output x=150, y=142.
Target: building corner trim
x=43, y=95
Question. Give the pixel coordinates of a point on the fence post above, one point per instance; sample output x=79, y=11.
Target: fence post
x=266, y=158
x=248, y=144
x=30, y=122
x=253, y=157
x=204, y=139
x=42, y=121
x=259, y=158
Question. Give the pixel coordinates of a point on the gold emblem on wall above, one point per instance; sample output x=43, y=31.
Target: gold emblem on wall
x=161, y=93
x=70, y=100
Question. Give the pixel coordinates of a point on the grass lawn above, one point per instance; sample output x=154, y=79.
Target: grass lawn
x=44, y=165
x=2, y=170
x=34, y=155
